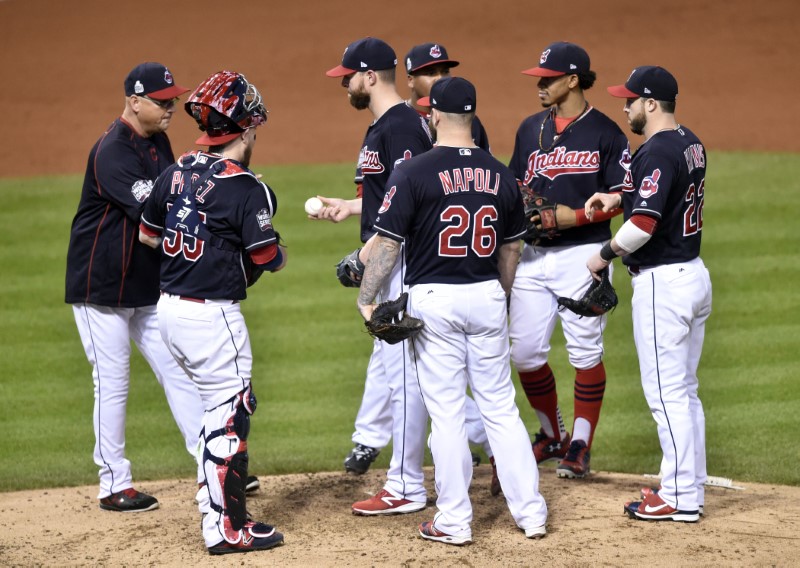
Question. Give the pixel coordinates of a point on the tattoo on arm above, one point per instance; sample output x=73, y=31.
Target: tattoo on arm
x=507, y=264
x=382, y=259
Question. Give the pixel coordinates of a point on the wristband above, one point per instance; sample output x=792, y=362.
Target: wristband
x=607, y=253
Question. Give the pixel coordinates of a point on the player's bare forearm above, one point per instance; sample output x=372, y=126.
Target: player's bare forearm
x=337, y=210
x=152, y=242
x=508, y=259
x=380, y=263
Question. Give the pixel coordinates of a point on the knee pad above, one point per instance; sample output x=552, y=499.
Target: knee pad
x=245, y=409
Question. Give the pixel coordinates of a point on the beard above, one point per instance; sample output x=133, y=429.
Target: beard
x=359, y=99
x=638, y=123
x=432, y=128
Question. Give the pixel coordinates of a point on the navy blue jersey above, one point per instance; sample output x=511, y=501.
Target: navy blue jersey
x=106, y=263
x=232, y=205
x=454, y=207
x=591, y=155
x=669, y=172
x=396, y=136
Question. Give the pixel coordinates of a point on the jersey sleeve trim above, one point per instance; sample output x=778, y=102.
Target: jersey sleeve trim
x=147, y=230
x=389, y=234
x=516, y=237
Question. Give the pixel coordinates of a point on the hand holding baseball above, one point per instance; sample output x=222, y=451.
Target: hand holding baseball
x=313, y=206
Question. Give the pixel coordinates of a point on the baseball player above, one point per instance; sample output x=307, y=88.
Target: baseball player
x=659, y=243
x=425, y=64
x=212, y=219
x=566, y=153
x=397, y=133
x=460, y=214
x=112, y=280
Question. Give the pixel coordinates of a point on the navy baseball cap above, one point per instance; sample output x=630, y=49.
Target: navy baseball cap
x=367, y=54
x=650, y=82
x=153, y=80
x=561, y=58
x=451, y=94
x=427, y=54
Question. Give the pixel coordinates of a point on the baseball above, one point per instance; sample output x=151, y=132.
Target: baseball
x=313, y=205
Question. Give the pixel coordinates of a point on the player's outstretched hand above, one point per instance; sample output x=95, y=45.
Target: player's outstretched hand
x=333, y=209
x=604, y=202
x=596, y=266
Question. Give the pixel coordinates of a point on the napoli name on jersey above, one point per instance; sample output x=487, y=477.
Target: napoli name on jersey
x=209, y=210
x=396, y=136
x=669, y=159
x=479, y=205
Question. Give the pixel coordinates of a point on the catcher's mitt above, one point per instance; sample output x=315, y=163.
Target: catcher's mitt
x=540, y=214
x=598, y=299
x=350, y=270
x=387, y=325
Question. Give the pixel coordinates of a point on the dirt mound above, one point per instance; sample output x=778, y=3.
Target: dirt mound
x=758, y=526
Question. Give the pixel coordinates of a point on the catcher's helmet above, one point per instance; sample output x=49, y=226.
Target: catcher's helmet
x=225, y=105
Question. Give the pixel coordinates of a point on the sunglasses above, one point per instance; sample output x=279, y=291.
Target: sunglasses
x=166, y=105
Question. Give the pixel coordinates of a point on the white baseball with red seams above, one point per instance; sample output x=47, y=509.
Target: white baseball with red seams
x=313, y=205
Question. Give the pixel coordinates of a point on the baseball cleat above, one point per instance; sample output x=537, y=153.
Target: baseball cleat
x=575, y=464
x=252, y=484
x=359, y=459
x=546, y=448
x=384, y=503
x=653, y=508
x=645, y=491
x=536, y=532
x=429, y=532
x=495, y=488
x=254, y=536
x=129, y=501
x=476, y=459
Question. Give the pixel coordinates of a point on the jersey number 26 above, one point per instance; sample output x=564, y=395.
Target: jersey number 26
x=483, y=239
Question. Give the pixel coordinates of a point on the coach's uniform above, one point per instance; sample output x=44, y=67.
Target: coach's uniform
x=112, y=284
x=455, y=207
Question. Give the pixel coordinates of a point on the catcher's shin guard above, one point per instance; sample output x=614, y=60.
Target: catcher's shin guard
x=228, y=426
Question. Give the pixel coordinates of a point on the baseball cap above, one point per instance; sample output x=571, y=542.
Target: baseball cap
x=153, y=80
x=367, y=54
x=648, y=81
x=451, y=94
x=427, y=54
x=561, y=58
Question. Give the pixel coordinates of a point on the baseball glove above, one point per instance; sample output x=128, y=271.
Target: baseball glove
x=540, y=214
x=350, y=270
x=387, y=325
x=598, y=299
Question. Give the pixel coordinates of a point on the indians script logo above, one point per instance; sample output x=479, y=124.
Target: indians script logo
x=370, y=162
x=387, y=200
x=650, y=184
x=436, y=52
x=543, y=58
x=561, y=162
x=167, y=76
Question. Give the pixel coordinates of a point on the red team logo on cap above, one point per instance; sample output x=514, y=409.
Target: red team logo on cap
x=650, y=184
x=436, y=53
x=167, y=76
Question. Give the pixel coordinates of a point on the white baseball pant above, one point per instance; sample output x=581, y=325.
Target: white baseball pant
x=106, y=334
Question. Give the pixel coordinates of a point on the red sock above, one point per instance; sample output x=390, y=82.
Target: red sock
x=540, y=388
x=590, y=385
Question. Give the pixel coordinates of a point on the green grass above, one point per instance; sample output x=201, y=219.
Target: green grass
x=311, y=352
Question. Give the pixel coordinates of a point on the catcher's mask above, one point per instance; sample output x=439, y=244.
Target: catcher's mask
x=224, y=106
